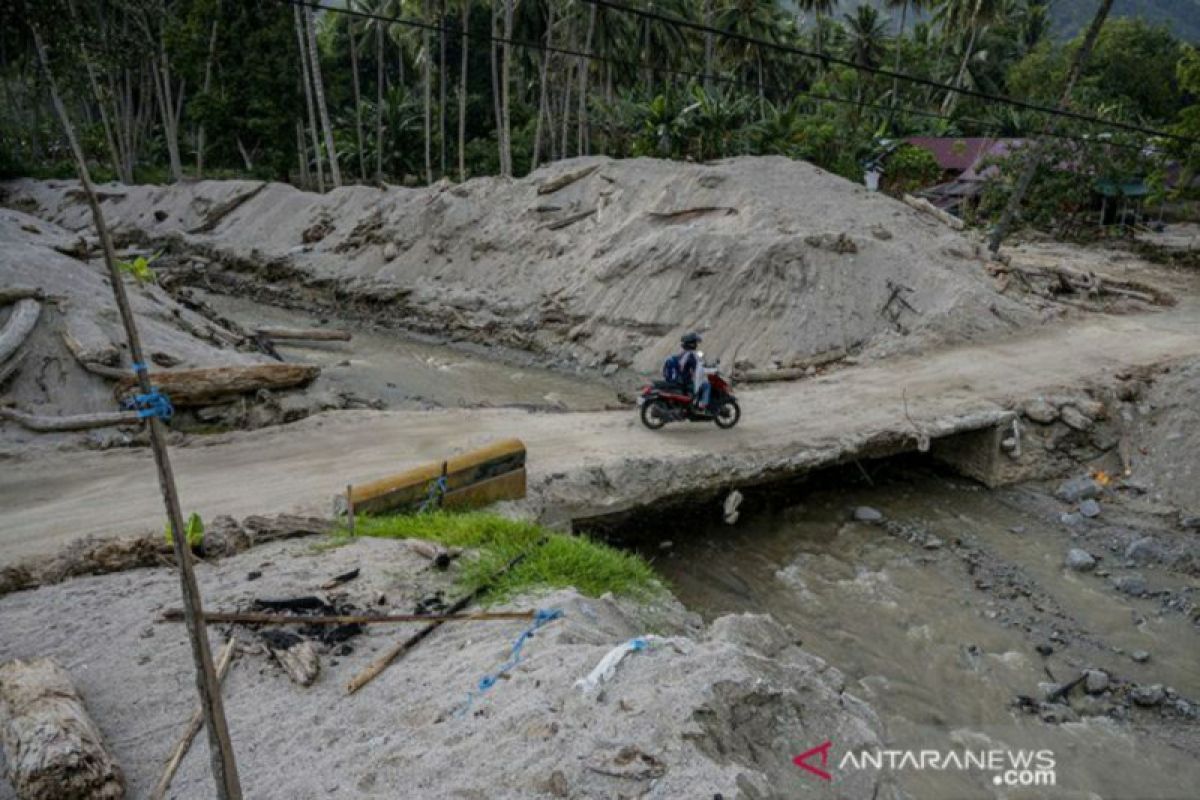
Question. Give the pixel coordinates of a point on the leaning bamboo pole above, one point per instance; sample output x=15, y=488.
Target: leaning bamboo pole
x=224, y=767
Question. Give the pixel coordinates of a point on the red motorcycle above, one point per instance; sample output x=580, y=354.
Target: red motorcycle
x=663, y=402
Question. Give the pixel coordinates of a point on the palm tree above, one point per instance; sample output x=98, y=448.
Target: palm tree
x=866, y=34
x=965, y=17
x=305, y=73
x=903, y=5
x=465, y=8
x=314, y=63
x=755, y=19
x=818, y=8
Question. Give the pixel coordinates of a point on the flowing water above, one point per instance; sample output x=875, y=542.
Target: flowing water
x=940, y=637
x=408, y=372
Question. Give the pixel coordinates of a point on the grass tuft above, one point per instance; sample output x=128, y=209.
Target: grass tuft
x=559, y=561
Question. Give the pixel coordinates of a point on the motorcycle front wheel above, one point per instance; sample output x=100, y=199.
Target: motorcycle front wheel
x=654, y=414
x=728, y=414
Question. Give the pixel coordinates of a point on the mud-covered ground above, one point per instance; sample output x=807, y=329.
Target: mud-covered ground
x=704, y=711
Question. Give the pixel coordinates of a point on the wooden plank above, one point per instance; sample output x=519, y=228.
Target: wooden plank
x=509, y=486
x=412, y=486
x=305, y=334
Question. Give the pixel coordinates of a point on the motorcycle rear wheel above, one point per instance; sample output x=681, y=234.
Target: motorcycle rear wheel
x=728, y=414
x=654, y=414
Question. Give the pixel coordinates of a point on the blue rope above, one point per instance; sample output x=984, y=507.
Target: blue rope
x=541, y=618
x=437, y=490
x=154, y=404
x=139, y=367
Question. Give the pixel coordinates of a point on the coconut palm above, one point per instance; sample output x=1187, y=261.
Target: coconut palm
x=965, y=18
x=903, y=5
x=819, y=9
x=866, y=36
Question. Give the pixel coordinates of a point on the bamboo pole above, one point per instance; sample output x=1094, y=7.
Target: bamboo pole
x=224, y=768
x=193, y=727
x=261, y=618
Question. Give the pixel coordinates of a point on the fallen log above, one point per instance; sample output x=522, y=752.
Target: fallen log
x=262, y=618
x=923, y=205
x=13, y=295
x=193, y=728
x=198, y=387
x=76, y=422
x=571, y=220
x=52, y=747
x=308, y=334
x=563, y=181
x=221, y=210
x=20, y=324
x=1071, y=280
x=685, y=214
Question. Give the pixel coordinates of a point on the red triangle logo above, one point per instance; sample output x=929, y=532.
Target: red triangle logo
x=822, y=750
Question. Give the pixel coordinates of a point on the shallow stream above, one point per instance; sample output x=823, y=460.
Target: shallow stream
x=940, y=635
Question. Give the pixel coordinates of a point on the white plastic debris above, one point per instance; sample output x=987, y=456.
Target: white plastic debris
x=732, y=501
x=607, y=667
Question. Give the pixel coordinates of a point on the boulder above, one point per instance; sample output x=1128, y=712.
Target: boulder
x=1096, y=681
x=1080, y=560
x=1144, y=551
x=868, y=514
x=1076, y=419
x=1089, y=508
x=1040, y=410
x=1077, y=489
x=1148, y=696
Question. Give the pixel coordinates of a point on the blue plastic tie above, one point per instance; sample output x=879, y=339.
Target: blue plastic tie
x=437, y=490
x=153, y=404
x=139, y=367
x=543, y=617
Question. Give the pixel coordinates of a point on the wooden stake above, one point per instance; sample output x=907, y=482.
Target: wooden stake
x=384, y=661
x=220, y=747
x=193, y=727
x=261, y=618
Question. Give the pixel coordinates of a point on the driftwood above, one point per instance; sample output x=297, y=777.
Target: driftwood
x=88, y=359
x=571, y=220
x=262, y=618
x=20, y=324
x=198, y=387
x=99, y=556
x=13, y=295
x=923, y=205
x=1088, y=283
x=563, y=181
x=297, y=656
x=685, y=214
x=385, y=660
x=222, y=210
x=52, y=747
x=77, y=422
x=7, y=370
x=309, y=334
x=440, y=556
x=193, y=728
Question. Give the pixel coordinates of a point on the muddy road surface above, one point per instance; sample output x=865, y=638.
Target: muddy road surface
x=580, y=463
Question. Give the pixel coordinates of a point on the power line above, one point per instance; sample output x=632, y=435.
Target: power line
x=887, y=73
x=784, y=90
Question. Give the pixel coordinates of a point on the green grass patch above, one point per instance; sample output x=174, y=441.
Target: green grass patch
x=553, y=560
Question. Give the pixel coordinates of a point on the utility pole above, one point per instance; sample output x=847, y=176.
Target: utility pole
x=1037, y=149
x=220, y=747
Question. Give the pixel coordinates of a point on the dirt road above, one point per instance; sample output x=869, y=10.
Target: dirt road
x=580, y=462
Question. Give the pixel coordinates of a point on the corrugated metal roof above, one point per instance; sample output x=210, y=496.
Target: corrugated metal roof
x=951, y=153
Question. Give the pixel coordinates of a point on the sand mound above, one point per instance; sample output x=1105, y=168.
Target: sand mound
x=78, y=306
x=776, y=260
x=705, y=711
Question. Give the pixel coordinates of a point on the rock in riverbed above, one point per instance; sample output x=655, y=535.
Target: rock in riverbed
x=1080, y=560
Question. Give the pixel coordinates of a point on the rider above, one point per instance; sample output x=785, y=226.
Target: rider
x=691, y=367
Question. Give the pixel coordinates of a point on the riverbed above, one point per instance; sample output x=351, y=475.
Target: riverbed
x=936, y=615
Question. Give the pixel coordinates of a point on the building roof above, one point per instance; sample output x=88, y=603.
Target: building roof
x=951, y=153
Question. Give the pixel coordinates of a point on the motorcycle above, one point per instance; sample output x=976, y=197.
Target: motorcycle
x=662, y=402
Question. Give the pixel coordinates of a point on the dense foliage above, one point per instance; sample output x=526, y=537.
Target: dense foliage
x=169, y=89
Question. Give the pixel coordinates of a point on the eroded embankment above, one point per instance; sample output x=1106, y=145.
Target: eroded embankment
x=588, y=261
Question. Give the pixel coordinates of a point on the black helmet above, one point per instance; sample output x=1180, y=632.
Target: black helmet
x=690, y=340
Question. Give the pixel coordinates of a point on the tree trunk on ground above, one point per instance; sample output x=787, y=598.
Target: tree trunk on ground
x=462, y=90
x=582, y=136
x=305, y=73
x=1035, y=156
x=314, y=61
x=52, y=747
x=77, y=422
x=358, y=128
x=506, y=165
x=20, y=324
x=208, y=71
x=199, y=387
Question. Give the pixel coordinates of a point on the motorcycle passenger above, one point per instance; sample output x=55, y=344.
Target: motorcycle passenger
x=691, y=365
